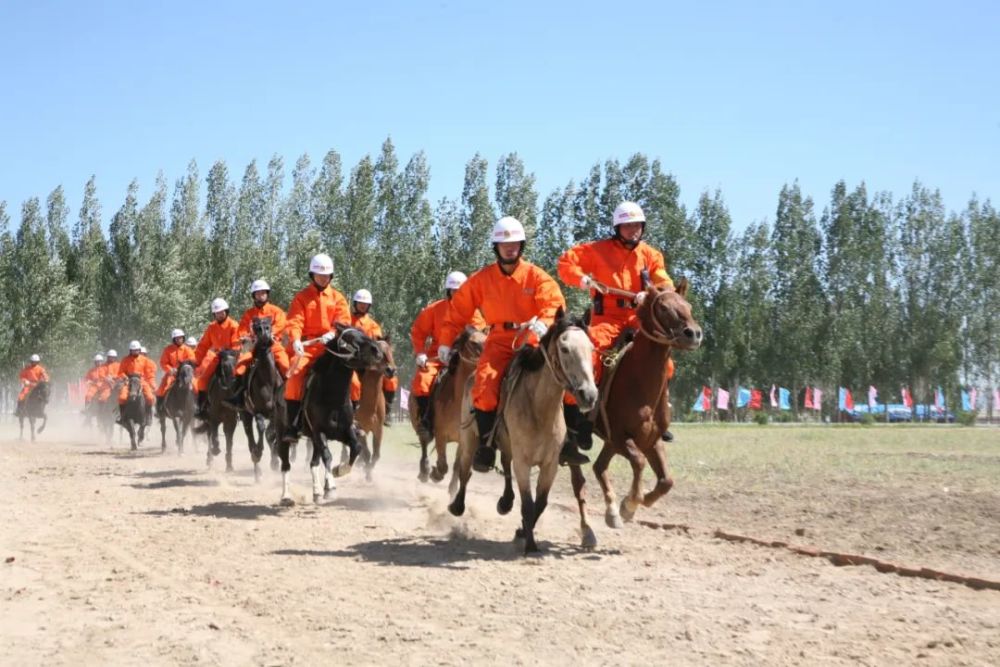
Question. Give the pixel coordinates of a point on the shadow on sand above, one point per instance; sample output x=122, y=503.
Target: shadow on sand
x=244, y=511
x=175, y=482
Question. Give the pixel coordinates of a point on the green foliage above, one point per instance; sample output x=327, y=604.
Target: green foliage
x=966, y=418
x=867, y=419
x=760, y=418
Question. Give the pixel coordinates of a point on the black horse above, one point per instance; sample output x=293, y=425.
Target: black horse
x=33, y=407
x=327, y=412
x=178, y=406
x=263, y=400
x=219, y=413
x=133, y=411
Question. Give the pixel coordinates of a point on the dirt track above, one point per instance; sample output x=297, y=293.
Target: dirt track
x=149, y=559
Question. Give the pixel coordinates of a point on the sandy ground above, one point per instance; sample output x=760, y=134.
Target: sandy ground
x=114, y=558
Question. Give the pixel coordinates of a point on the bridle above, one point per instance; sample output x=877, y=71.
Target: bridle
x=659, y=336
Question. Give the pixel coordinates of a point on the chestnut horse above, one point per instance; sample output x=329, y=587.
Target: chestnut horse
x=446, y=403
x=633, y=410
x=370, y=415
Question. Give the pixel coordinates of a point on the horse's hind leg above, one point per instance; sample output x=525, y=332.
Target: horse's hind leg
x=425, y=466
x=256, y=450
x=229, y=430
x=286, y=466
x=611, y=516
x=658, y=462
x=528, y=511
x=632, y=501
x=441, y=450
x=579, y=483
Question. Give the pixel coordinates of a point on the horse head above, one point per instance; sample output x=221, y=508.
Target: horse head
x=185, y=374
x=354, y=348
x=665, y=317
x=227, y=368
x=261, y=329
x=570, y=354
x=134, y=386
x=388, y=363
x=468, y=347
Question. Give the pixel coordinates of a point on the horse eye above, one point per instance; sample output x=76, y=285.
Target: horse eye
x=564, y=349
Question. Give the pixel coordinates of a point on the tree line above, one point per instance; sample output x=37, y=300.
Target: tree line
x=869, y=288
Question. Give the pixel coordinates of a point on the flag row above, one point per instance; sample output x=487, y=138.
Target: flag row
x=780, y=398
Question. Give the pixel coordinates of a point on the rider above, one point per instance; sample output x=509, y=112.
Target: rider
x=109, y=376
x=314, y=313
x=361, y=319
x=191, y=342
x=511, y=293
x=622, y=261
x=171, y=358
x=30, y=376
x=262, y=308
x=136, y=363
x=220, y=335
x=93, y=380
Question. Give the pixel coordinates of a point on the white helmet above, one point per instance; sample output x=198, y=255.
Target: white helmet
x=507, y=229
x=34, y=357
x=321, y=264
x=144, y=350
x=628, y=211
x=191, y=341
x=454, y=280
x=112, y=353
x=177, y=333
x=363, y=296
x=135, y=346
x=259, y=285
x=98, y=357
x=219, y=304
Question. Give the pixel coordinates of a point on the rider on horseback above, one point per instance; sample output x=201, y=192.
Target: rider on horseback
x=314, y=313
x=171, y=358
x=512, y=295
x=220, y=335
x=137, y=364
x=93, y=380
x=362, y=320
x=109, y=376
x=262, y=308
x=624, y=262
x=30, y=376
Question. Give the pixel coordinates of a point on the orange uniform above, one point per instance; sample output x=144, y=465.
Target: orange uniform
x=172, y=357
x=217, y=337
x=93, y=381
x=108, y=378
x=313, y=313
x=369, y=327
x=608, y=261
x=142, y=366
x=30, y=376
x=278, y=324
x=425, y=335
x=505, y=302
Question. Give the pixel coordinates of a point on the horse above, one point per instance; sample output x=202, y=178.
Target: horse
x=634, y=405
x=134, y=411
x=220, y=387
x=263, y=400
x=370, y=415
x=33, y=407
x=446, y=403
x=327, y=411
x=178, y=406
x=530, y=427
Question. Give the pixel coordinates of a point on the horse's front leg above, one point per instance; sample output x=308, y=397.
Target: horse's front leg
x=611, y=516
x=229, y=430
x=506, y=502
x=632, y=501
x=579, y=485
x=527, y=530
x=441, y=450
x=318, y=471
x=286, y=466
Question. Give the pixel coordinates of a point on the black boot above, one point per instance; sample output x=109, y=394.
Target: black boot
x=667, y=436
x=576, y=431
x=486, y=455
x=293, y=410
x=202, y=411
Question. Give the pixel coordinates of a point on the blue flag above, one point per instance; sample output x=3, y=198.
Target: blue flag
x=699, y=403
x=966, y=403
x=742, y=397
x=784, y=399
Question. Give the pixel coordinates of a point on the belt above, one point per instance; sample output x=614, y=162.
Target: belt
x=509, y=326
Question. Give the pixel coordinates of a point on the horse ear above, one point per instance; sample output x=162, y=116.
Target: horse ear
x=560, y=313
x=682, y=287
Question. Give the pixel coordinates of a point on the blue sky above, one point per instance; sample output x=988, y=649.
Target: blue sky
x=738, y=96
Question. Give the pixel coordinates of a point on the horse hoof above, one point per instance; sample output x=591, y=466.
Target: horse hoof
x=519, y=534
x=505, y=505
x=316, y=498
x=230, y=468
x=342, y=469
x=457, y=508
x=287, y=502
x=436, y=475
x=627, y=513
x=275, y=465
x=613, y=520
x=531, y=550
x=589, y=541
x=423, y=476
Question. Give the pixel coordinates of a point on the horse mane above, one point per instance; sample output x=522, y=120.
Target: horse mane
x=459, y=343
x=531, y=358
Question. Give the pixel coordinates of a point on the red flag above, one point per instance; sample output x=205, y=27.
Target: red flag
x=756, y=399
x=848, y=400
x=706, y=398
x=809, y=399
x=907, y=398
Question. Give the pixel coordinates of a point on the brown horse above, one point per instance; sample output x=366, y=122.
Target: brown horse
x=370, y=415
x=633, y=410
x=530, y=427
x=446, y=403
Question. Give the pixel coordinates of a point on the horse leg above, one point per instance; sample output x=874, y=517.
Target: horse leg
x=163, y=431
x=286, y=466
x=506, y=502
x=319, y=445
x=611, y=516
x=248, y=421
x=658, y=462
x=228, y=430
x=376, y=446
x=630, y=503
x=527, y=531
x=356, y=446
x=461, y=475
x=579, y=483
x=425, y=466
x=20, y=421
x=441, y=449
x=45, y=420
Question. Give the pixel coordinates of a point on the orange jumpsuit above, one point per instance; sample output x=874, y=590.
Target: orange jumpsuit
x=425, y=335
x=313, y=313
x=369, y=327
x=505, y=302
x=608, y=261
x=278, y=324
x=93, y=381
x=172, y=357
x=30, y=376
x=137, y=364
x=108, y=379
x=217, y=337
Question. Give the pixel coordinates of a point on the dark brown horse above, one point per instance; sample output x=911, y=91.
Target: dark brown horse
x=633, y=410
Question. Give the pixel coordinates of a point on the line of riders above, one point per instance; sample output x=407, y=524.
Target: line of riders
x=511, y=299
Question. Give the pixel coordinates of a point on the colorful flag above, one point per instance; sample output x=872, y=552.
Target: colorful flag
x=784, y=398
x=722, y=399
x=756, y=399
x=742, y=397
x=817, y=399
x=774, y=398
x=966, y=403
x=973, y=397
x=699, y=403
x=907, y=398
x=404, y=399
x=845, y=401
x=704, y=400
x=939, y=399
x=872, y=396
x=996, y=400
x=809, y=399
